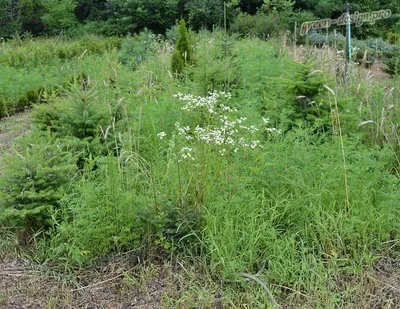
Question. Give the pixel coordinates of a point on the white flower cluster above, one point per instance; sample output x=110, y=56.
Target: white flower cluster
x=225, y=133
x=271, y=130
x=222, y=129
x=161, y=135
x=209, y=103
x=187, y=153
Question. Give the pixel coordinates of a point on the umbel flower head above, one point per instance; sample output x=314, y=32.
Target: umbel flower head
x=227, y=132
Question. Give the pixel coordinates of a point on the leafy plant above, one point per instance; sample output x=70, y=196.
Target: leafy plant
x=306, y=84
x=133, y=15
x=182, y=55
x=29, y=16
x=259, y=25
x=393, y=64
x=59, y=15
x=136, y=49
x=207, y=14
x=33, y=180
x=218, y=68
x=8, y=18
x=3, y=108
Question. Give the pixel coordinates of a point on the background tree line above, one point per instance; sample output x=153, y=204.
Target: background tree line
x=119, y=17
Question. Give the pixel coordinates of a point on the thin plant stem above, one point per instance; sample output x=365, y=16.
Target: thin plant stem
x=342, y=148
x=263, y=285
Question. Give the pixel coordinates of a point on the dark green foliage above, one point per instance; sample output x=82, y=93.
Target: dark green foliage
x=45, y=116
x=82, y=118
x=306, y=84
x=218, y=70
x=392, y=66
x=260, y=25
x=30, y=13
x=183, y=43
x=137, y=49
x=59, y=15
x=34, y=175
x=32, y=96
x=335, y=8
x=177, y=63
x=22, y=103
x=58, y=117
x=393, y=62
x=111, y=17
x=295, y=97
x=182, y=55
x=25, y=101
x=8, y=18
x=393, y=37
x=133, y=16
x=3, y=108
x=319, y=39
x=207, y=14
x=90, y=10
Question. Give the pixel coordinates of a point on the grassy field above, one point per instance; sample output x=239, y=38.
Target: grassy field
x=255, y=179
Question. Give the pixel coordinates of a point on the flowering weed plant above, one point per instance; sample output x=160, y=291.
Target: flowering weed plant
x=209, y=123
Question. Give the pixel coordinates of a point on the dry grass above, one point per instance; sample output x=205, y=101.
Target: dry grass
x=121, y=283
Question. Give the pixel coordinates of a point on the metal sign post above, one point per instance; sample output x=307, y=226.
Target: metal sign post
x=348, y=46
x=346, y=19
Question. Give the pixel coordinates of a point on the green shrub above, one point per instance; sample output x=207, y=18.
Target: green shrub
x=183, y=50
x=31, y=53
x=8, y=19
x=208, y=14
x=34, y=176
x=393, y=37
x=137, y=49
x=363, y=53
x=393, y=63
x=112, y=209
x=59, y=15
x=3, y=108
x=83, y=118
x=26, y=100
x=259, y=25
x=218, y=68
x=22, y=103
x=177, y=63
x=306, y=86
x=319, y=39
x=29, y=16
x=45, y=116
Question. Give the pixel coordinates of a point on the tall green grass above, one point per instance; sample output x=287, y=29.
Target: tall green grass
x=154, y=178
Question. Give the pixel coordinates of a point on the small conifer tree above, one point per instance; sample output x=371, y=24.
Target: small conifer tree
x=182, y=55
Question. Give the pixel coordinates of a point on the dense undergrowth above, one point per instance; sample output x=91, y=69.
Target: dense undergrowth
x=249, y=160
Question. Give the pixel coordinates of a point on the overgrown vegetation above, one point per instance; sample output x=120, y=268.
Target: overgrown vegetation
x=110, y=17
x=258, y=160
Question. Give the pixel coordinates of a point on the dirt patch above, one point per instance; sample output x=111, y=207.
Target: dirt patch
x=12, y=127
x=125, y=283
x=117, y=285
